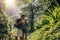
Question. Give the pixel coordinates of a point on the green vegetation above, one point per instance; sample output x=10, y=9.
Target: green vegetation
x=4, y=25
x=5, y=22
x=43, y=17
x=50, y=26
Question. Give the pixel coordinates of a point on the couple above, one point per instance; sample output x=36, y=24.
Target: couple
x=21, y=25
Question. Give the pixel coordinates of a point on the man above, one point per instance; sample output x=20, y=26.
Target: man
x=24, y=26
x=21, y=25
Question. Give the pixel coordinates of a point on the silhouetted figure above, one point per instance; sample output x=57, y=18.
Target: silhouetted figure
x=21, y=24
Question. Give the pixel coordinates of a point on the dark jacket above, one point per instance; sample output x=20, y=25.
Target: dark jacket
x=21, y=26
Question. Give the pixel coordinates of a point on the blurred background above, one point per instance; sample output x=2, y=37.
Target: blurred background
x=43, y=18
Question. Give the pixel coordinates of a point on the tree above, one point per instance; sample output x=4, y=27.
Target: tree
x=35, y=8
x=49, y=31
x=4, y=21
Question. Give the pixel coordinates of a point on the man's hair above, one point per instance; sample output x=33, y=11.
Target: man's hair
x=22, y=15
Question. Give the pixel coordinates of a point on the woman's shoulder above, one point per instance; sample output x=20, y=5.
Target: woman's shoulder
x=17, y=20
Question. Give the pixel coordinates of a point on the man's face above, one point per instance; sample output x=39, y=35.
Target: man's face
x=23, y=17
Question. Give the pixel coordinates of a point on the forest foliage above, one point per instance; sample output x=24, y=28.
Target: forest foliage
x=48, y=26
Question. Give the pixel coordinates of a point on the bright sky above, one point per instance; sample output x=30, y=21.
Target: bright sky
x=11, y=8
x=9, y=2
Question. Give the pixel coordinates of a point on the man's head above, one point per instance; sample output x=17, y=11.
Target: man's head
x=22, y=16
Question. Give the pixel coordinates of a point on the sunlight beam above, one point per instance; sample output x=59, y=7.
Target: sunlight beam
x=9, y=2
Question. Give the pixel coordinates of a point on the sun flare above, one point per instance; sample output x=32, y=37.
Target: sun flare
x=9, y=2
